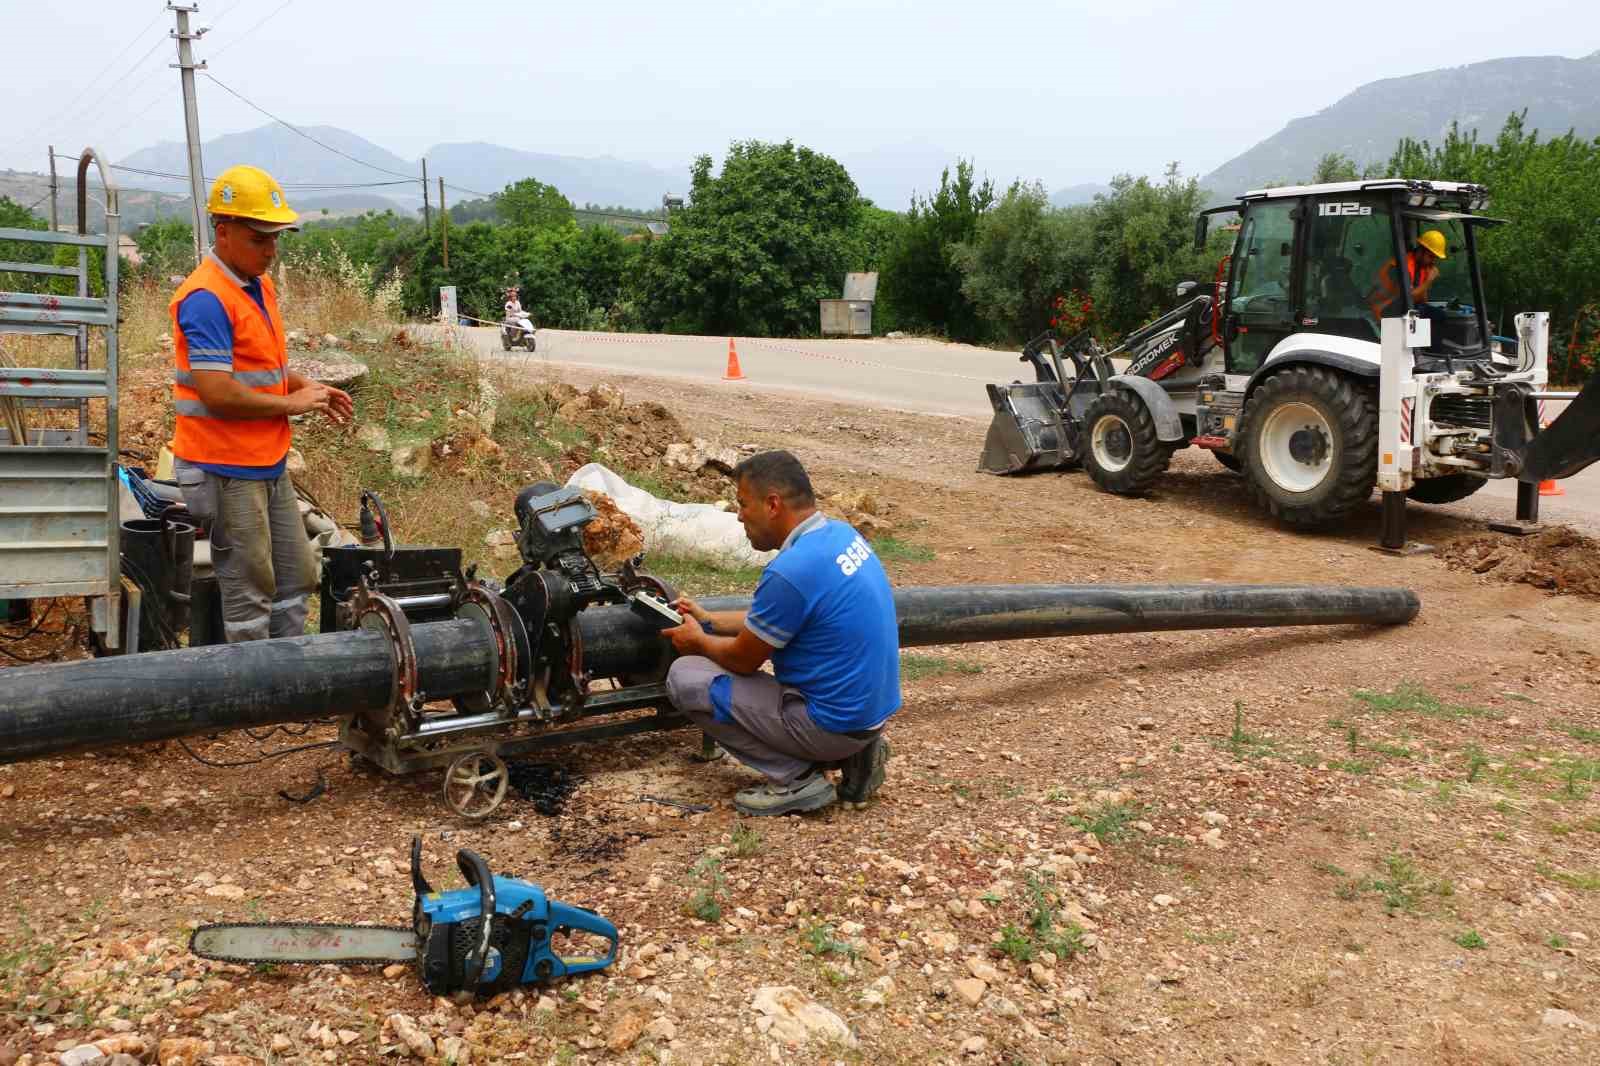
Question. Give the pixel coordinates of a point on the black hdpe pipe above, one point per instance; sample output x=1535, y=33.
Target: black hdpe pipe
x=50, y=710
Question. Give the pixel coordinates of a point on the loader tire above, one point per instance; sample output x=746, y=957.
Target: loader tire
x=1446, y=489
x=1310, y=445
x=1121, y=451
x=1229, y=460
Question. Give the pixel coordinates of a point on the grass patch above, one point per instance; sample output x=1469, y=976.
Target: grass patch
x=1582, y=882
x=1469, y=940
x=1244, y=744
x=914, y=667
x=1583, y=733
x=1409, y=698
x=746, y=841
x=1557, y=941
x=1401, y=885
x=1109, y=823
x=698, y=577
x=1043, y=929
x=705, y=901
x=895, y=550
x=819, y=940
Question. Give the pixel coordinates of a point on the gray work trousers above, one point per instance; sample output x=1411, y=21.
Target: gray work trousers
x=259, y=551
x=772, y=731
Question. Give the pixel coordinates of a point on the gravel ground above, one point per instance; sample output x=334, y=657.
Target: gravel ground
x=1340, y=845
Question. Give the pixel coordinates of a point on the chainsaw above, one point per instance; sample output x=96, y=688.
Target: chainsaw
x=495, y=934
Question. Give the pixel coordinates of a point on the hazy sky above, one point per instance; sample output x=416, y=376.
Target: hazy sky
x=1064, y=92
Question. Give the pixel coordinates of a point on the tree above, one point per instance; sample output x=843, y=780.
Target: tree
x=1021, y=257
x=14, y=216
x=758, y=246
x=533, y=204
x=166, y=248
x=1334, y=166
x=921, y=283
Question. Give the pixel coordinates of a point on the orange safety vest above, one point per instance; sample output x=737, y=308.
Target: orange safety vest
x=1387, y=291
x=260, y=361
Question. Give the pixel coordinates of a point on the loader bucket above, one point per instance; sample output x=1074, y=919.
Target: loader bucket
x=1571, y=443
x=1026, y=433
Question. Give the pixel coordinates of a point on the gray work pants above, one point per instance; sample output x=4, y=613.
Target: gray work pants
x=264, y=564
x=771, y=732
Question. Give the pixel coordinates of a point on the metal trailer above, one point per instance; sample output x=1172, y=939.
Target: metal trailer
x=59, y=497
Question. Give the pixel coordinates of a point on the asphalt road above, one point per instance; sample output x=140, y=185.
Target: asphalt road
x=909, y=374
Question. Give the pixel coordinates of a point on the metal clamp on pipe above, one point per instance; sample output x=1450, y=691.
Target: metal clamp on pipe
x=373, y=610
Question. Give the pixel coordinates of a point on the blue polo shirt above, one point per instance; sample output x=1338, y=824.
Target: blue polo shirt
x=825, y=605
x=205, y=325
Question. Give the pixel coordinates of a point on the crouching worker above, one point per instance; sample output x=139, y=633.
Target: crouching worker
x=824, y=614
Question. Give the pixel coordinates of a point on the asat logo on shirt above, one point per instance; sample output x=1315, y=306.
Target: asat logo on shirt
x=851, y=558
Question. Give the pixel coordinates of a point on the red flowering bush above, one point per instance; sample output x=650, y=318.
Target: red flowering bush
x=1574, y=363
x=1071, y=313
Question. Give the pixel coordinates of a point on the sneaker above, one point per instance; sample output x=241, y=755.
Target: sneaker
x=810, y=793
x=863, y=772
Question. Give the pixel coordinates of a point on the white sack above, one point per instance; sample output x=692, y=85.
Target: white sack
x=693, y=530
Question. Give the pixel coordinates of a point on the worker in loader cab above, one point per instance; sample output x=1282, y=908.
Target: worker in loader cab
x=234, y=392
x=824, y=614
x=1422, y=268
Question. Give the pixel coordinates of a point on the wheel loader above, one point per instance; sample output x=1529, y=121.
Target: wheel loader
x=1329, y=356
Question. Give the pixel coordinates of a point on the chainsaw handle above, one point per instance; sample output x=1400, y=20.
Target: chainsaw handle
x=566, y=916
x=419, y=884
x=476, y=871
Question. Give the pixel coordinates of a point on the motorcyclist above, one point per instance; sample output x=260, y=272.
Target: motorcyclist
x=516, y=317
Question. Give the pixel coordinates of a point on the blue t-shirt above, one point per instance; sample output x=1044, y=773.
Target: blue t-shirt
x=209, y=332
x=825, y=606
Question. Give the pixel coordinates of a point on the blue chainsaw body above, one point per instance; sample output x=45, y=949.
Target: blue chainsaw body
x=499, y=932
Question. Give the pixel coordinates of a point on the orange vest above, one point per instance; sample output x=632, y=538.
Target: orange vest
x=1387, y=292
x=260, y=361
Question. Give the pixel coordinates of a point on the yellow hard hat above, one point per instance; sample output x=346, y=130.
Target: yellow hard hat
x=1433, y=241
x=251, y=194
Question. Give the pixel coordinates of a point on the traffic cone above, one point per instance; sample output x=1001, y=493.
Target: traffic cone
x=733, y=372
x=1551, y=488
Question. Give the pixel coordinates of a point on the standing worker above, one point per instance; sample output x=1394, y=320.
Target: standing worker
x=234, y=392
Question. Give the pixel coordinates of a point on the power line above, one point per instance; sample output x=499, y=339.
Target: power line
x=296, y=129
x=70, y=107
x=251, y=30
x=287, y=184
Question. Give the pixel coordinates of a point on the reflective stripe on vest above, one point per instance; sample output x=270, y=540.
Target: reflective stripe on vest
x=259, y=362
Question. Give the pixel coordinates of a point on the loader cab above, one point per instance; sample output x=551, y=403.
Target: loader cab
x=1312, y=259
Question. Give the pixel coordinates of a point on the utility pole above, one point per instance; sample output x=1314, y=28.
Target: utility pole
x=53, y=188
x=191, y=122
x=444, y=223
x=427, y=215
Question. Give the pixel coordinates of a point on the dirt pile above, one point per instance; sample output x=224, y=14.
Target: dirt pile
x=1558, y=559
x=613, y=537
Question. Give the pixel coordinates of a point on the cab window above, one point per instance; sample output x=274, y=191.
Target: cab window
x=1349, y=246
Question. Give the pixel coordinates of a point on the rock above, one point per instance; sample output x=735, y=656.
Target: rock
x=974, y=1045
x=294, y=462
x=332, y=340
x=1041, y=975
x=546, y=1003
x=878, y=993
x=232, y=1060
x=894, y=335
x=970, y=989
x=938, y=940
x=180, y=1051
x=1145, y=725
x=698, y=453
x=983, y=971
x=1565, y=1019
x=294, y=336
x=408, y=1033
x=399, y=969
x=453, y=1049
x=626, y=1032
x=1214, y=818
x=348, y=1036
x=340, y=373
x=1163, y=900
x=410, y=460
x=124, y=1044
x=795, y=1018
x=226, y=891
x=281, y=1043
x=1003, y=1007
x=373, y=437
x=1076, y=994
x=1212, y=838
x=488, y=404
x=479, y=508
x=122, y=1060
x=8, y=791
x=663, y=1030
x=976, y=909
x=83, y=1053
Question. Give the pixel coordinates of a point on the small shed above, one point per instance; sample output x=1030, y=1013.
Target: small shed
x=851, y=316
